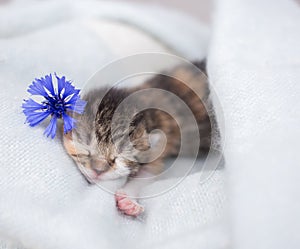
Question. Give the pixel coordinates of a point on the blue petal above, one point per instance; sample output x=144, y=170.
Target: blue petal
x=72, y=100
x=32, y=105
x=37, y=88
x=78, y=107
x=51, y=128
x=29, y=112
x=69, y=123
x=35, y=118
x=60, y=83
x=49, y=84
x=69, y=90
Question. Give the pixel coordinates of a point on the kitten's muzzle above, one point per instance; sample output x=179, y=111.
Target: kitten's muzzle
x=99, y=172
x=99, y=166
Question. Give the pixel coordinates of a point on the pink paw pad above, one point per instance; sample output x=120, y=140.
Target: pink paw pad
x=127, y=205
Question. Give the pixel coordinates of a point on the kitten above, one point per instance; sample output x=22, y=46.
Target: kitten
x=114, y=138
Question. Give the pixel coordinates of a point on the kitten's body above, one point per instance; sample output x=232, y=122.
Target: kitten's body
x=114, y=138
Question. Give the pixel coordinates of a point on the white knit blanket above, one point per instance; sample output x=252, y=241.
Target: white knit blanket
x=254, y=66
x=44, y=201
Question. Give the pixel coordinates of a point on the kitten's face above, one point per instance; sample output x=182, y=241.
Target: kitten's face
x=98, y=162
x=90, y=143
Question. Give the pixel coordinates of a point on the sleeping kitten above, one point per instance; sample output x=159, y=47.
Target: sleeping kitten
x=125, y=141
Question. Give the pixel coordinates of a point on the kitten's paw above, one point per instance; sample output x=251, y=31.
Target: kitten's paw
x=126, y=205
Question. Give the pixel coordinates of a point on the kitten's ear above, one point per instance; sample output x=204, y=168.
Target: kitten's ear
x=138, y=134
x=155, y=138
x=147, y=141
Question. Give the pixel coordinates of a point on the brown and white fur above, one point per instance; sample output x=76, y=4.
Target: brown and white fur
x=111, y=139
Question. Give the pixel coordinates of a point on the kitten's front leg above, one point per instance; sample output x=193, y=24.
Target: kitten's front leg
x=126, y=198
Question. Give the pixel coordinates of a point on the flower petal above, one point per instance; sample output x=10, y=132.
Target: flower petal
x=51, y=128
x=31, y=105
x=49, y=84
x=69, y=89
x=69, y=123
x=71, y=99
x=35, y=118
x=60, y=83
x=37, y=88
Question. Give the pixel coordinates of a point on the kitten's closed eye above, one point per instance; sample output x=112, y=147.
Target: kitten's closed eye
x=83, y=156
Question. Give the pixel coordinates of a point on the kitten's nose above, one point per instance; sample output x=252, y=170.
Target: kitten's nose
x=99, y=166
x=98, y=172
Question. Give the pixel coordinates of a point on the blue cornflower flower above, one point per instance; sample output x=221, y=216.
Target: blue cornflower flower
x=58, y=100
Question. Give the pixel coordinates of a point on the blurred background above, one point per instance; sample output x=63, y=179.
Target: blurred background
x=200, y=9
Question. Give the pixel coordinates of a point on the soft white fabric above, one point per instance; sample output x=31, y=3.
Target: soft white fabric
x=44, y=201
x=254, y=66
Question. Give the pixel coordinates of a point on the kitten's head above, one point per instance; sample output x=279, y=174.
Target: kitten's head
x=99, y=153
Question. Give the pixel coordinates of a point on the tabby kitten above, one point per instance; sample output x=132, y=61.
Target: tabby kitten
x=127, y=132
